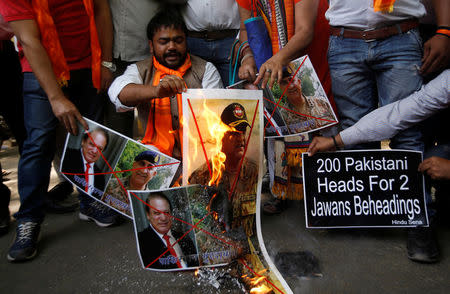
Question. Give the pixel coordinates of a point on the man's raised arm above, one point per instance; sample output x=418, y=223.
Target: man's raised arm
x=127, y=91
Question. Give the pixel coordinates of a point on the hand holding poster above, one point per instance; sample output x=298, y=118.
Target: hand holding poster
x=297, y=103
x=364, y=189
x=105, y=164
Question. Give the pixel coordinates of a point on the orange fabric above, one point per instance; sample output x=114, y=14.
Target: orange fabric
x=317, y=50
x=274, y=30
x=443, y=31
x=247, y=4
x=383, y=5
x=159, y=130
x=50, y=41
x=289, y=8
x=96, y=51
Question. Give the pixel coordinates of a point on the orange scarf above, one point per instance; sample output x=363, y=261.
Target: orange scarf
x=50, y=41
x=159, y=130
x=274, y=29
x=383, y=5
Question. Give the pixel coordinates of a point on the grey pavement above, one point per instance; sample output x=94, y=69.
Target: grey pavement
x=79, y=257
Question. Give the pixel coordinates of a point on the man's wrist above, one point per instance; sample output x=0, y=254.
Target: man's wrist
x=109, y=65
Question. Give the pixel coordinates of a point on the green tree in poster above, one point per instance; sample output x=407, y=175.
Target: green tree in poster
x=307, y=83
x=126, y=160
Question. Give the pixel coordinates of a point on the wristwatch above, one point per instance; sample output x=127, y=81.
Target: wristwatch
x=109, y=65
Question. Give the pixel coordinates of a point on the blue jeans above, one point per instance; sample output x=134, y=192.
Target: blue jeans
x=214, y=51
x=366, y=75
x=39, y=146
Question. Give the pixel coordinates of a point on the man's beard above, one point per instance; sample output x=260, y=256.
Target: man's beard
x=182, y=59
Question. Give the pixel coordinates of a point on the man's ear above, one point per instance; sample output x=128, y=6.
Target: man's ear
x=150, y=44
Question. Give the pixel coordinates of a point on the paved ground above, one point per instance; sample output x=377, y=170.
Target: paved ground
x=79, y=257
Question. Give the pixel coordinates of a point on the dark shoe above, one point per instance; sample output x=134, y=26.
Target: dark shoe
x=55, y=206
x=25, y=245
x=61, y=191
x=100, y=214
x=5, y=195
x=4, y=224
x=422, y=245
x=265, y=186
x=274, y=206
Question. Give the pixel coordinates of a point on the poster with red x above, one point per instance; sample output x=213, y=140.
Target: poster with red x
x=296, y=104
x=105, y=164
x=175, y=231
x=223, y=151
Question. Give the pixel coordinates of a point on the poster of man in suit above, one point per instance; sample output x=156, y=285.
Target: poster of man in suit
x=99, y=159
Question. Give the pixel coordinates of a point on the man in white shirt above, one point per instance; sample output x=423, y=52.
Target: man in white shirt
x=212, y=28
x=155, y=85
x=385, y=122
x=375, y=56
x=130, y=19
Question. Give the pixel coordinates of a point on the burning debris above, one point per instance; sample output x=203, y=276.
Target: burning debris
x=258, y=283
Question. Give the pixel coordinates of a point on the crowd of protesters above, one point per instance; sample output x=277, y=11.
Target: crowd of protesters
x=99, y=59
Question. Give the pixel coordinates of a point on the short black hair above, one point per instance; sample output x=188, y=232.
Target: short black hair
x=157, y=195
x=168, y=17
x=98, y=130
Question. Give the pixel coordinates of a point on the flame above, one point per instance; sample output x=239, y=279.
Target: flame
x=196, y=273
x=216, y=130
x=257, y=283
x=194, y=150
x=262, y=289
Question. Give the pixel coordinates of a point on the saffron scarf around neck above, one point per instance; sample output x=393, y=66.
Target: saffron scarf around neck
x=159, y=131
x=51, y=43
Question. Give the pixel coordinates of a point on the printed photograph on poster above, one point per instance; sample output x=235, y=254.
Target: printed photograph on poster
x=287, y=164
x=104, y=164
x=364, y=188
x=297, y=103
x=175, y=231
x=222, y=148
x=270, y=110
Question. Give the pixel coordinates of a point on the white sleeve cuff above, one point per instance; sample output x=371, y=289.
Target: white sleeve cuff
x=211, y=77
x=130, y=76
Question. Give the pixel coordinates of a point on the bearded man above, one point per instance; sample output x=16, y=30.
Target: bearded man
x=155, y=85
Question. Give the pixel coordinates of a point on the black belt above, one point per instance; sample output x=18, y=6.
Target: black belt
x=213, y=35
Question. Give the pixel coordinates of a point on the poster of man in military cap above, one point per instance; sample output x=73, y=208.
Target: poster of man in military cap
x=104, y=164
x=297, y=103
x=223, y=150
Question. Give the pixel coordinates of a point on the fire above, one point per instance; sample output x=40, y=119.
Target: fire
x=260, y=289
x=196, y=273
x=216, y=130
x=194, y=151
x=257, y=283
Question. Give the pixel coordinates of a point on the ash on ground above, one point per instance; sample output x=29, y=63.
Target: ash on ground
x=222, y=279
x=298, y=264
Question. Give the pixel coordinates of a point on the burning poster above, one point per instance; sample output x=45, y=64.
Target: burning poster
x=296, y=104
x=222, y=149
x=105, y=164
